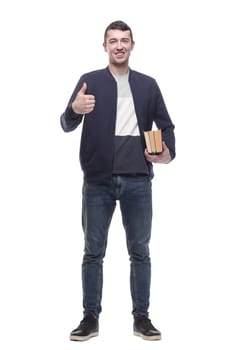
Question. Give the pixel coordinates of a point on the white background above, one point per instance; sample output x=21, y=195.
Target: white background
x=45, y=46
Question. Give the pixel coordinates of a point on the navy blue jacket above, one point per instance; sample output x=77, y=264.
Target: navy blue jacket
x=97, y=140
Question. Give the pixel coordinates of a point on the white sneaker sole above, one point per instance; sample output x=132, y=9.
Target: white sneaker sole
x=79, y=338
x=147, y=337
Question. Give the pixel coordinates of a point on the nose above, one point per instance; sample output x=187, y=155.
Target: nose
x=119, y=45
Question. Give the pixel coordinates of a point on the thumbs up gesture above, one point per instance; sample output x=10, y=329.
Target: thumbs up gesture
x=83, y=104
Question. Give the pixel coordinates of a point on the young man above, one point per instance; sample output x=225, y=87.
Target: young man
x=116, y=105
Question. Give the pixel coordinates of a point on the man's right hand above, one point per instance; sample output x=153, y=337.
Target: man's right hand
x=83, y=104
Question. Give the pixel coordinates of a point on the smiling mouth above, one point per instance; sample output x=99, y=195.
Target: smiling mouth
x=119, y=54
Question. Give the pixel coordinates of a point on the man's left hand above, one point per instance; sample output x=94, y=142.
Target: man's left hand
x=163, y=157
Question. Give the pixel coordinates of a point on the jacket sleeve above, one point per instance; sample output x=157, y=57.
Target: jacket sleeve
x=163, y=121
x=69, y=119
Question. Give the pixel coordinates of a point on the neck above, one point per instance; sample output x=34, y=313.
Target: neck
x=118, y=70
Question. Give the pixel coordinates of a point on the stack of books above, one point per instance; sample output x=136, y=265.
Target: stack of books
x=154, y=142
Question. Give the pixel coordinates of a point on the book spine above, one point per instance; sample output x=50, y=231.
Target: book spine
x=152, y=141
x=158, y=141
x=147, y=139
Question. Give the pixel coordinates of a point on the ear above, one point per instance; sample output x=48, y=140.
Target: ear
x=104, y=47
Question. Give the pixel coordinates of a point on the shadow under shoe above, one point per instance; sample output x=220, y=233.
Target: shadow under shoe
x=88, y=328
x=144, y=328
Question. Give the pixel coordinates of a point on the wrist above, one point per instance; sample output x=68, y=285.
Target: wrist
x=74, y=107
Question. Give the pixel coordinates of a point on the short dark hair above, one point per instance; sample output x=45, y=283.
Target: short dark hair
x=118, y=25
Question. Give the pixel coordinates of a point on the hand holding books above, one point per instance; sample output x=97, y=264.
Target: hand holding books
x=157, y=150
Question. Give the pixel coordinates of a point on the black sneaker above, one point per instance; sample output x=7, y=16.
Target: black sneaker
x=88, y=327
x=145, y=329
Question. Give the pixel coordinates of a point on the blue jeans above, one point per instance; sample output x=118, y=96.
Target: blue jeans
x=99, y=201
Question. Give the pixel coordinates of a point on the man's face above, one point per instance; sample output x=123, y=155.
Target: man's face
x=118, y=45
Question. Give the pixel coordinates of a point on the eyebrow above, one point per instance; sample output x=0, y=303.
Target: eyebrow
x=124, y=38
